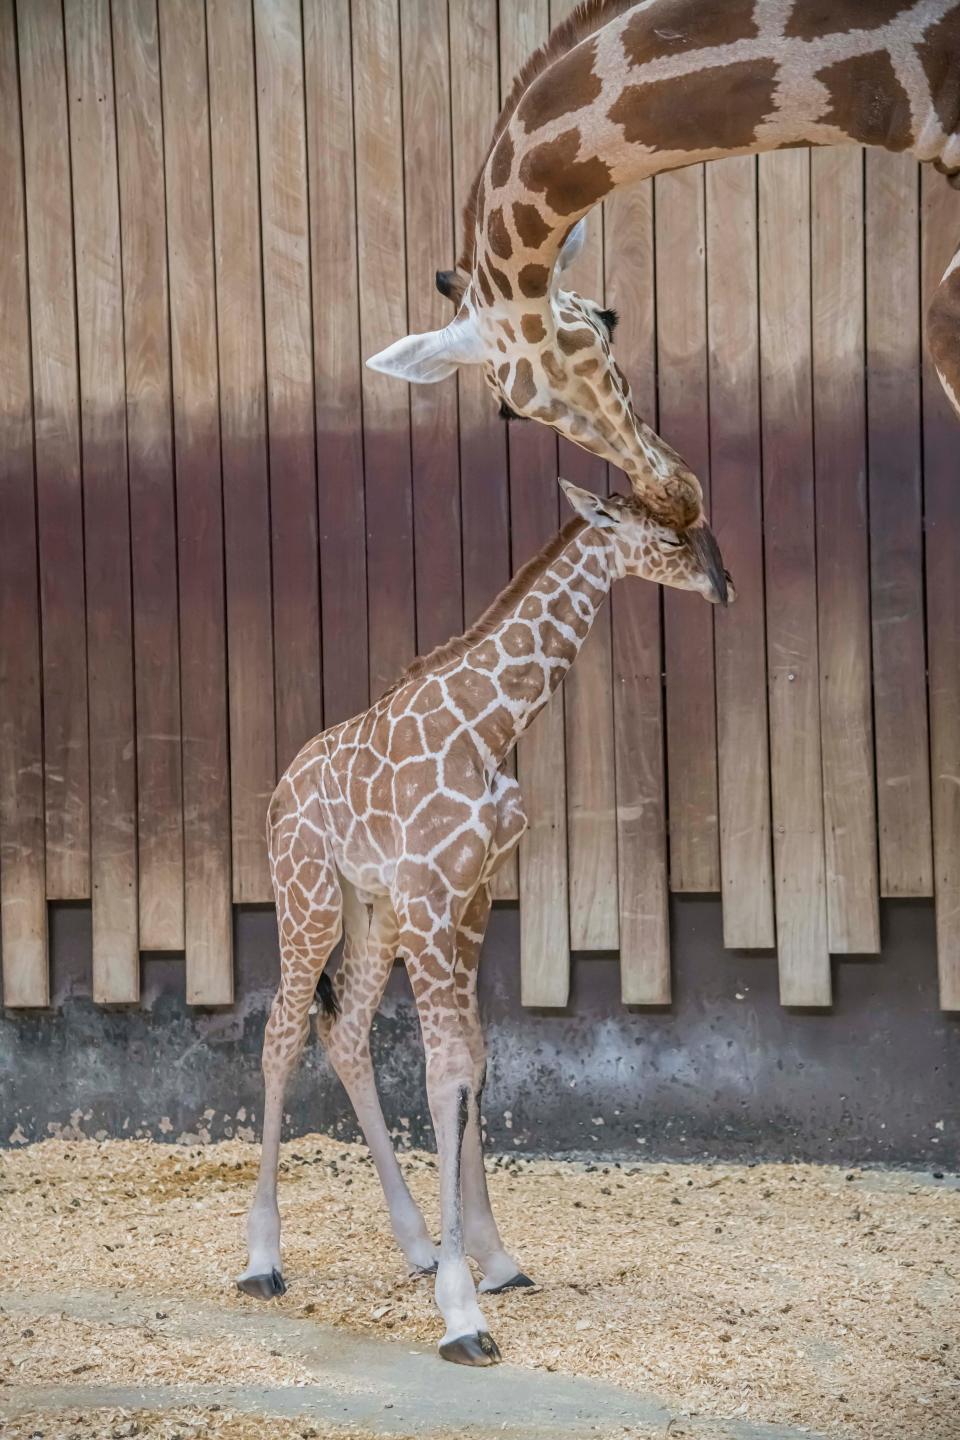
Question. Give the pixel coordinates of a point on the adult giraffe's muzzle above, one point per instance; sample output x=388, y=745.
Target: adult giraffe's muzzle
x=706, y=551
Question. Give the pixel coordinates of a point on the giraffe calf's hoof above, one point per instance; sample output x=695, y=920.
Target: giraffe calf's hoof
x=263, y=1287
x=479, y=1349
x=420, y=1272
x=517, y=1282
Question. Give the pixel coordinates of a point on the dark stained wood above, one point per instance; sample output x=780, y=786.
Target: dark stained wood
x=743, y=766
x=243, y=438
x=688, y=622
x=146, y=314
x=843, y=578
x=431, y=246
x=896, y=540
x=289, y=330
x=96, y=220
x=208, y=919
x=46, y=147
x=336, y=345
x=541, y=767
x=383, y=319
x=792, y=657
x=23, y=905
x=941, y=427
x=638, y=641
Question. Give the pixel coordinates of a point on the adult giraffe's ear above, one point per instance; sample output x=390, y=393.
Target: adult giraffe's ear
x=574, y=243
x=425, y=359
x=601, y=513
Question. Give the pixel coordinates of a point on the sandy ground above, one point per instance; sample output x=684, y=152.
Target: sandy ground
x=806, y=1296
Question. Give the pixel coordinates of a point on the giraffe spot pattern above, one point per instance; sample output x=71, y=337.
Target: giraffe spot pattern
x=674, y=26
x=568, y=185
x=716, y=108
x=501, y=281
x=498, y=236
x=567, y=86
x=570, y=341
x=813, y=19
x=533, y=281
x=486, y=289
x=524, y=386
x=532, y=328
x=939, y=53
x=530, y=225
x=502, y=161
x=867, y=101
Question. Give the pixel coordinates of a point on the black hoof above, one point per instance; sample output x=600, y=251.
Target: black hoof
x=263, y=1287
x=420, y=1271
x=479, y=1349
x=519, y=1282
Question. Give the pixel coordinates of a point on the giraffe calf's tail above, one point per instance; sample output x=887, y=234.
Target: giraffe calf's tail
x=326, y=997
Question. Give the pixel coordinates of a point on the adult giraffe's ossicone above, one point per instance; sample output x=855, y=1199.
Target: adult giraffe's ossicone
x=620, y=92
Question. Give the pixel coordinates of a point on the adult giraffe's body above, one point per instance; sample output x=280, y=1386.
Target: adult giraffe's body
x=390, y=826
x=621, y=92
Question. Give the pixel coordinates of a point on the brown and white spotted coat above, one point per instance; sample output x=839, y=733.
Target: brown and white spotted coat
x=621, y=92
x=390, y=827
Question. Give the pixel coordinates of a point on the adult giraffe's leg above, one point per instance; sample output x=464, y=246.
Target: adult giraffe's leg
x=308, y=916
x=481, y=1236
x=428, y=944
x=943, y=331
x=370, y=946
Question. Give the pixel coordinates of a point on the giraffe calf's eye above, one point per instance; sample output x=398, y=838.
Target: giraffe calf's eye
x=610, y=319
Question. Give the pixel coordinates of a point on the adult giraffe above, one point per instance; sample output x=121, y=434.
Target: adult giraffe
x=620, y=92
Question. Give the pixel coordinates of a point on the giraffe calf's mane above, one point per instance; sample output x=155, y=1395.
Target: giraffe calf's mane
x=457, y=647
x=585, y=20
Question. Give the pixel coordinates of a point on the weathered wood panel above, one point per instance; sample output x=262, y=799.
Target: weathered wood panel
x=106, y=509
x=196, y=414
x=243, y=439
x=896, y=539
x=743, y=765
x=642, y=882
x=791, y=586
x=588, y=692
x=153, y=531
x=843, y=584
x=336, y=348
x=541, y=756
x=23, y=904
x=53, y=331
x=688, y=622
x=941, y=447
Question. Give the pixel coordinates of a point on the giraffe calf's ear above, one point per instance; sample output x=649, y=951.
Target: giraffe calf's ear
x=572, y=245
x=425, y=359
x=452, y=285
x=601, y=514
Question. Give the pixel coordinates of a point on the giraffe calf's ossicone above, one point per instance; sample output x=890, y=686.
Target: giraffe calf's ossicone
x=388, y=829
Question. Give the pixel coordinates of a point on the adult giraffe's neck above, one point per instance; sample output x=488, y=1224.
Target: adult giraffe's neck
x=667, y=83
x=545, y=623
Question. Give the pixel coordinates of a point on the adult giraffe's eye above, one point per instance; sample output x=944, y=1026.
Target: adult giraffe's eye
x=609, y=319
x=668, y=544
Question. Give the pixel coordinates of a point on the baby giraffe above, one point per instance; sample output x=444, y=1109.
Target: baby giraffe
x=390, y=827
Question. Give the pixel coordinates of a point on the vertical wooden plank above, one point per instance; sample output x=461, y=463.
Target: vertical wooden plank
x=688, y=622
x=638, y=639
x=791, y=587
x=57, y=436
x=23, y=906
x=336, y=341
x=146, y=314
x=484, y=490
x=289, y=327
x=96, y=217
x=207, y=911
x=743, y=767
x=246, y=501
x=431, y=246
x=896, y=542
x=541, y=767
x=941, y=445
x=383, y=319
x=588, y=691
x=846, y=719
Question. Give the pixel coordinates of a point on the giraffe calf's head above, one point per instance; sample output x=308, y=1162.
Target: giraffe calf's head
x=644, y=547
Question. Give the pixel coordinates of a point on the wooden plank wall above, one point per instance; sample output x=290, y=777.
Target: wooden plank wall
x=219, y=531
